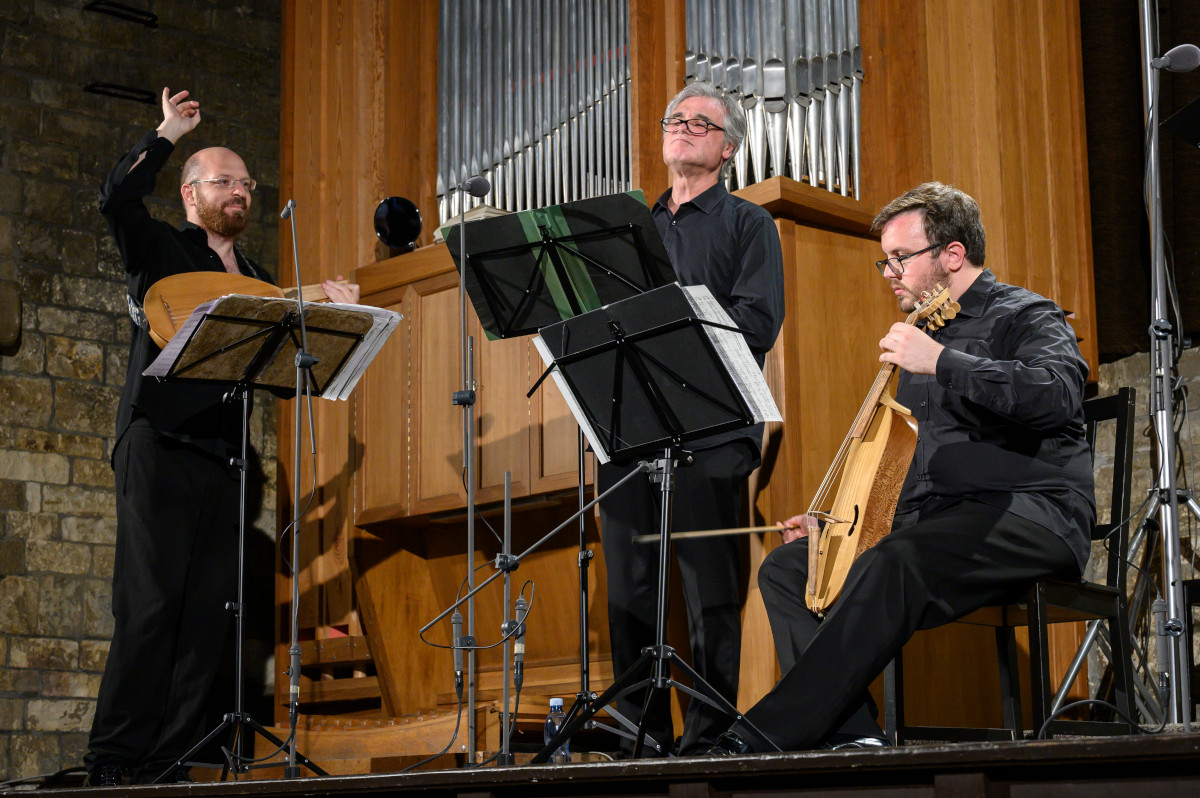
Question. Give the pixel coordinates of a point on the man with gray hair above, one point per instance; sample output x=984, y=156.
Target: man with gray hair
x=998, y=494
x=732, y=246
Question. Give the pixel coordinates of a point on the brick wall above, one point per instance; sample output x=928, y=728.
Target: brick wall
x=59, y=387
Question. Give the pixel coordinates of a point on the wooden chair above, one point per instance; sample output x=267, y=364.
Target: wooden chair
x=1052, y=601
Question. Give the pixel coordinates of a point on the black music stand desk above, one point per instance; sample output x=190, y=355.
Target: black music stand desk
x=534, y=268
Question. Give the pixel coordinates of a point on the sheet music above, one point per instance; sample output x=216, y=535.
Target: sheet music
x=383, y=322
x=569, y=395
x=734, y=353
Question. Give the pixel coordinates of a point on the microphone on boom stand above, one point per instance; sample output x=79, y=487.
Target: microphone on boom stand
x=522, y=609
x=477, y=186
x=456, y=622
x=1180, y=58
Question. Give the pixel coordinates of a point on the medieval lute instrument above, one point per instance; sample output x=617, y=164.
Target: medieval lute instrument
x=857, y=498
x=170, y=301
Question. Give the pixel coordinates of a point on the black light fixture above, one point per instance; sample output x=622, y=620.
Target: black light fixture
x=121, y=92
x=398, y=223
x=122, y=11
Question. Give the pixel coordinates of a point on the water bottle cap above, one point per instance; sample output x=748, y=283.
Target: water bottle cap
x=556, y=703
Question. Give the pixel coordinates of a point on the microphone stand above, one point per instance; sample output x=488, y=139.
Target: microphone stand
x=465, y=398
x=507, y=717
x=304, y=363
x=1175, y=673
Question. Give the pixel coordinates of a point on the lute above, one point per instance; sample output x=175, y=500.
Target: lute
x=170, y=301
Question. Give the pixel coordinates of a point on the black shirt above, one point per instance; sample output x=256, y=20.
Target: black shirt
x=152, y=249
x=1002, y=420
x=731, y=246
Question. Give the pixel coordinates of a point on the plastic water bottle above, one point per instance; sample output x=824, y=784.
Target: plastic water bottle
x=554, y=722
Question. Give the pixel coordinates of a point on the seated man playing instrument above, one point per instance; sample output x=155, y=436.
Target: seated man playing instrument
x=998, y=495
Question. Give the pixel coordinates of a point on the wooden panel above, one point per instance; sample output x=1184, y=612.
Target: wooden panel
x=395, y=596
x=553, y=637
x=410, y=109
x=839, y=307
x=501, y=415
x=800, y=202
x=1005, y=125
x=554, y=436
x=437, y=424
x=336, y=651
x=657, y=39
x=376, y=279
x=300, y=156
x=382, y=407
x=897, y=105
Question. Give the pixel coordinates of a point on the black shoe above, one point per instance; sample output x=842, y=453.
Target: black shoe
x=150, y=774
x=104, y=776
x=729, y=744
x=181, y=776
x=841, y=742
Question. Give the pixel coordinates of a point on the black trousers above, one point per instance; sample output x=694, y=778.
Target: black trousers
x=937, y=565
x=708, y=495
x=175, y=567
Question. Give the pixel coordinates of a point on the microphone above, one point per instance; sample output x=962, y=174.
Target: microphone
x=456, y=622
x=287, y=209
x=479, y=185
x=1180, y=58
x=522, y=609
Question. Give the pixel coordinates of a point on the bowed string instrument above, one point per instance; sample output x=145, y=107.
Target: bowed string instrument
x=857, y=498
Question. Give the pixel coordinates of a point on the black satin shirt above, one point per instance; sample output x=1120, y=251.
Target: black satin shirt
x=152, y=249
x=1002, y=420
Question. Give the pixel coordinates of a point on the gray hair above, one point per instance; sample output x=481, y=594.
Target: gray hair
x=734, y=121
x=949, y=215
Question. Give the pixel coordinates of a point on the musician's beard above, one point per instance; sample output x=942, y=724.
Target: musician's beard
x=214, y=218
x=938, y=275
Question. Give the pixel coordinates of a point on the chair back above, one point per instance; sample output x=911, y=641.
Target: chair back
x=1120, y=408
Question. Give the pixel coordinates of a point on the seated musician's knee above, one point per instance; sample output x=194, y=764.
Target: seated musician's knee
x=784, y=569
x=892, y=558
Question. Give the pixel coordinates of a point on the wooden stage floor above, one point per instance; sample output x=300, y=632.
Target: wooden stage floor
x=1116, y=767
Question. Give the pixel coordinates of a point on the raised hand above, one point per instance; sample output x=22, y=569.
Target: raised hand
x=180, y=115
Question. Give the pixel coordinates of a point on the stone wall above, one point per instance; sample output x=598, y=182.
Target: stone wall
x=1134, y=371
x=60, y=385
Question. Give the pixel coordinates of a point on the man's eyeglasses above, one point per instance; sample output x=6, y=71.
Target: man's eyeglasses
x=226, y=183
x=896, y=264
x=695, y=126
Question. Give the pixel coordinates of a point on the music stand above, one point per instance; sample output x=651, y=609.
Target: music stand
x=538, y=267
x=646, y=374
x=251, y=342
x=541, y=266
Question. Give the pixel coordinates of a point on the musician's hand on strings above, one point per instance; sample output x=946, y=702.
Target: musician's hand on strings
x=797, y=527
x=180, y=115
x=910, y=349
x=346, y=293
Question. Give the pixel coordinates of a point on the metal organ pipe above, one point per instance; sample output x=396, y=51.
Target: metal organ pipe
x=546, y=114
